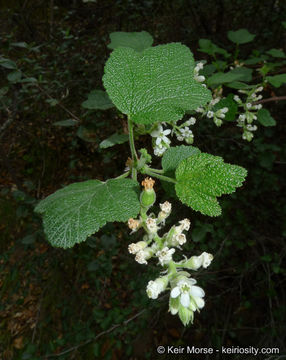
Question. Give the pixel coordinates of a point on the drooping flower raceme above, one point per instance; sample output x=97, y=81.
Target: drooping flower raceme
x=185, y=297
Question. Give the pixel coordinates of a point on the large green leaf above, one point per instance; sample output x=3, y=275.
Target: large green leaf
x=203, y=177
x=241, y=36
x=77, y=211
x=170, y=161
x=97, y=99
x=138, y=41
x=155, y=85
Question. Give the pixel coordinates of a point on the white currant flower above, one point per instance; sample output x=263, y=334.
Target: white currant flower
x=185, y=224
x=247, y=135
x=154, y=288
x=151, y=225
x=166, y=207
x=180, y=239
x=210, y=114
x=135, y=247
x=215, y=101
x=237, y=98
x=143, y=255
x=199, y=78
x=161, y=135
x=206, y=259
x=191, y=121
x=165, y=255
x=200, y=110
x=190, y=295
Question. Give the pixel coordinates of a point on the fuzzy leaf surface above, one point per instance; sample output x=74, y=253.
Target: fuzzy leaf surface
x=155, y=85
x=170, y=161
x=77, y=211
x=203, y=177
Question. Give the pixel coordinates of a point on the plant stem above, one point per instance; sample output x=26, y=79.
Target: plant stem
x=124, y=175
x=132, y=149
x=157, y=170
x=161, y=177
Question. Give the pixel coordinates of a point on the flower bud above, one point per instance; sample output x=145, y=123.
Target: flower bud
x=148, y=196
x=194, y=263
x=154, y=288
x=134, y=248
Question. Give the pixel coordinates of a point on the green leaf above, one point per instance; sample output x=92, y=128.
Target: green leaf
x=97, y=100
x=66, y=123
x=14, y=76
x=237, y=74
x=113, y=140
x=208, y=47
x=230, y=104
x=265, y=118
x=283, y=24
x=203, y=177
x=239, y=85
x=77, y=211
x=8, y=64
x=155, y=85
x=170, y=161
x=174, y=155
x=276, y=53
x=277, y=80
x=87, y=133
x=138, y=41
x=241, y=36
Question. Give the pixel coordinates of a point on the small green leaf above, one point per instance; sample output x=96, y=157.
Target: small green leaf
x=14, y=76
x=276, y=53
x=265, y=118
x=203, y=177
x=241, y=36
x=230, y=104
x=113, y=140
x=208, y=47
x=8, y=64
x=277, y=80
x=170, y=161
x=239, y=85
x=20, y=44
x=87, y=133
x=138, y=41
x=66, y=123
x=283, y=24
x=237, y=74
x=77, y=211
x=155, y=85
x=52, y=102
x=97, y=100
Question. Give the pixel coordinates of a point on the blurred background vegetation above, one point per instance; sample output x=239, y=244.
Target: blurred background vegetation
x=89, y=302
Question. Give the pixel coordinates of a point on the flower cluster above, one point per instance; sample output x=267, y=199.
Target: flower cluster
x=197, y=77
x=209, y=110
x=182, y=132
x=249, y=115
x=161, y=143
x=185, y=296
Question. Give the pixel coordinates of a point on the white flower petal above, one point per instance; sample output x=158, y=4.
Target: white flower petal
x=196, y=291
x=185, y=299
x=199, y=301
x=175, y=292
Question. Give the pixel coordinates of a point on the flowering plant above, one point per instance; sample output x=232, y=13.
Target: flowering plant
x=155, y=87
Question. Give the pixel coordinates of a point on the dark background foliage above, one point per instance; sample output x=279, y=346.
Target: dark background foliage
x=89, y=302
